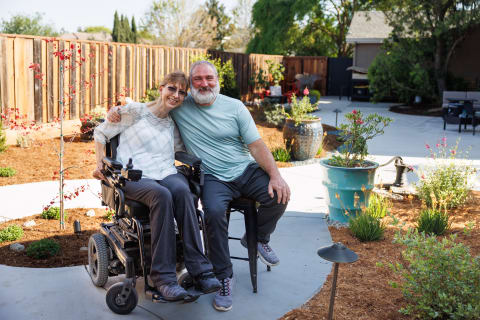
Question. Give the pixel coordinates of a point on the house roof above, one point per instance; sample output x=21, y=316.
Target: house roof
x=96, y=36
x=368, y=27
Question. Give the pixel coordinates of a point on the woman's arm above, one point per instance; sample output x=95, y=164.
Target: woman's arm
x=99, y=155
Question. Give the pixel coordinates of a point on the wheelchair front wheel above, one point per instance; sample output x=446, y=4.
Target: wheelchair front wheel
x=98, y=259
x=114, y=299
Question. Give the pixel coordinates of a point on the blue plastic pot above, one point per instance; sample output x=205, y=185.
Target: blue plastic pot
x=347, y=183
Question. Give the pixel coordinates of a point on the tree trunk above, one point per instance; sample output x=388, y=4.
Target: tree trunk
x=439, y=60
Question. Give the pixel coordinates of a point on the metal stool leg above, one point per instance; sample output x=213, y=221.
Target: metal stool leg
x=251, y=231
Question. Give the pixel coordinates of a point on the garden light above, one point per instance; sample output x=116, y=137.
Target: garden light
x=76, y=227
x=337, y=111
x=336, y=253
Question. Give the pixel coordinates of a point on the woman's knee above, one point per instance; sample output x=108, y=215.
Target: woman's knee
x=159, y=194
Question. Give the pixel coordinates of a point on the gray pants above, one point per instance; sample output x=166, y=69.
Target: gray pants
x=217, y=194
x=170, y=199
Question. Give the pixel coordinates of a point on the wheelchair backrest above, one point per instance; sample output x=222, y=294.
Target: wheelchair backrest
x=111, y=147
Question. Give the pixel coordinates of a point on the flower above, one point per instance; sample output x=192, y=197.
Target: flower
x=427, y=146
x=306, y=92
x=453, y=152
x=355, y=133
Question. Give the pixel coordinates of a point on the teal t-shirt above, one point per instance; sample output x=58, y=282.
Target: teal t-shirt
x=218, y=134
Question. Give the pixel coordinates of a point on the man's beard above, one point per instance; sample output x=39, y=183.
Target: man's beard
x=205, y=95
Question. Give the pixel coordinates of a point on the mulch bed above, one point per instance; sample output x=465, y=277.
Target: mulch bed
x=421, y=110
x=70, y=243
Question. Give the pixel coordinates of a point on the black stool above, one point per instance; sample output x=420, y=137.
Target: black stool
x=248, y=208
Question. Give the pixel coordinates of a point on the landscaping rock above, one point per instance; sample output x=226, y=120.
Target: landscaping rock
x=29, y=223
x=336, y=224
x=18, y=247
x=90, y=213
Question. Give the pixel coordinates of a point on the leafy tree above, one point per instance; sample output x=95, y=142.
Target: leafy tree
x=403, y=70
x=116, y=26
x=223, y=28
x=27, y=24
x=94, y=29
x=134, y=34
x=122, y=32
x=443, y=24
x=169, y=23
x=243, y=28
x=313, y=27
x=272, y=20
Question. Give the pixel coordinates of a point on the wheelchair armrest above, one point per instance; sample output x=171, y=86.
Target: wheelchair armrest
x=188, y=159
x=112, y=163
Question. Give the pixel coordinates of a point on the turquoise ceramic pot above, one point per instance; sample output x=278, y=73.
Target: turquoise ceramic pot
x=348, y=184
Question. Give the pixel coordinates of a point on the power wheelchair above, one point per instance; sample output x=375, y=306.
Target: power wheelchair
x=123, y=246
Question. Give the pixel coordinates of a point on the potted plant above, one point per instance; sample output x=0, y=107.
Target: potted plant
x=348, y=176
x=302, y=132
x=276, y=71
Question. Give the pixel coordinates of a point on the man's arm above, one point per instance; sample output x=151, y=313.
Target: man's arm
x=264, y=158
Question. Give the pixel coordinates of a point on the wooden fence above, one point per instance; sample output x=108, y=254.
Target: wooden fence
x=101, y=73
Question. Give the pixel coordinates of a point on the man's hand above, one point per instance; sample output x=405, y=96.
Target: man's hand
x=97, y=174
x=281, y=187
x=113, y=115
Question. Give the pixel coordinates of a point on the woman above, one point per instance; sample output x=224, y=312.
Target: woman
x=148, y=135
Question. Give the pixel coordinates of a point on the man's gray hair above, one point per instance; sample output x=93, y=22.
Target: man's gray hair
x=200, y=62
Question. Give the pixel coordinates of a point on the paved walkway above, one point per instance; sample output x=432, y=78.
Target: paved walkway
x=67, y=293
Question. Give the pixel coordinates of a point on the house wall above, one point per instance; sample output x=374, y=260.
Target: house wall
x=365, y=53
x=465, y=62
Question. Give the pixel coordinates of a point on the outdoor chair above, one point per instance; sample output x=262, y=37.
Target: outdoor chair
x=248, y=207
x=451, y=115
x=123, y=246
x=470, y=116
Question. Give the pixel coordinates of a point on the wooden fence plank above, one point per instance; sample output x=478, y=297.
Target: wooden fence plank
x=110, y=76
x=148, y=66
x=4, y=102
x=72, y=87
x=38, y=80
x=83, y=81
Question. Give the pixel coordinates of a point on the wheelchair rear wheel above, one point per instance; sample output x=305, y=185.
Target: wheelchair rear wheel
x=98, y=259
x=114, y=299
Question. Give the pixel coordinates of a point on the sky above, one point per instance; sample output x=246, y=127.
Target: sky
x=70, y=15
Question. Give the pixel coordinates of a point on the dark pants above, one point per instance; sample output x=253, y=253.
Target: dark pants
x=170, y=199
x=217, y=194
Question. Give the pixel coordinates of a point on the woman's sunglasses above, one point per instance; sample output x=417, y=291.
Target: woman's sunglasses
x=173, y=89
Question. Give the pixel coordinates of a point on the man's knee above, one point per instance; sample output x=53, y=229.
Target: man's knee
x=215, y=214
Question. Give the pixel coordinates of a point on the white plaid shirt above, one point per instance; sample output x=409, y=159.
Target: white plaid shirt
x=150, y=141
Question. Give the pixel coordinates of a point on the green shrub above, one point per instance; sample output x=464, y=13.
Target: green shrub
x=275, y=116
x=433, y=221
x=53, y=213
x=315, y=93
x=281, y=154
x=3, y=138
x=365, y=227
x=43, y=249
x=7, y=172
x=441, y=280
x=150, y=95
x=378, y=206
x=11, y=233
x=109, y=213
x=446, y=183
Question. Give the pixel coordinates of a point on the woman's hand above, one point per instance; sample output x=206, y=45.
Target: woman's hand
x=97, y=174
x=113, y=115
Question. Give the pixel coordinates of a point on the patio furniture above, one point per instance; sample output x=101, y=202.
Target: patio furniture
x=455, y=112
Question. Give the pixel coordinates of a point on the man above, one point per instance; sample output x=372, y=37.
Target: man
x=220, y=131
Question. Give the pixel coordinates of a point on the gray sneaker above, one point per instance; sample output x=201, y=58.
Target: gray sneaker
x=223, y=299
x=172, y=291
x=265, y=252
